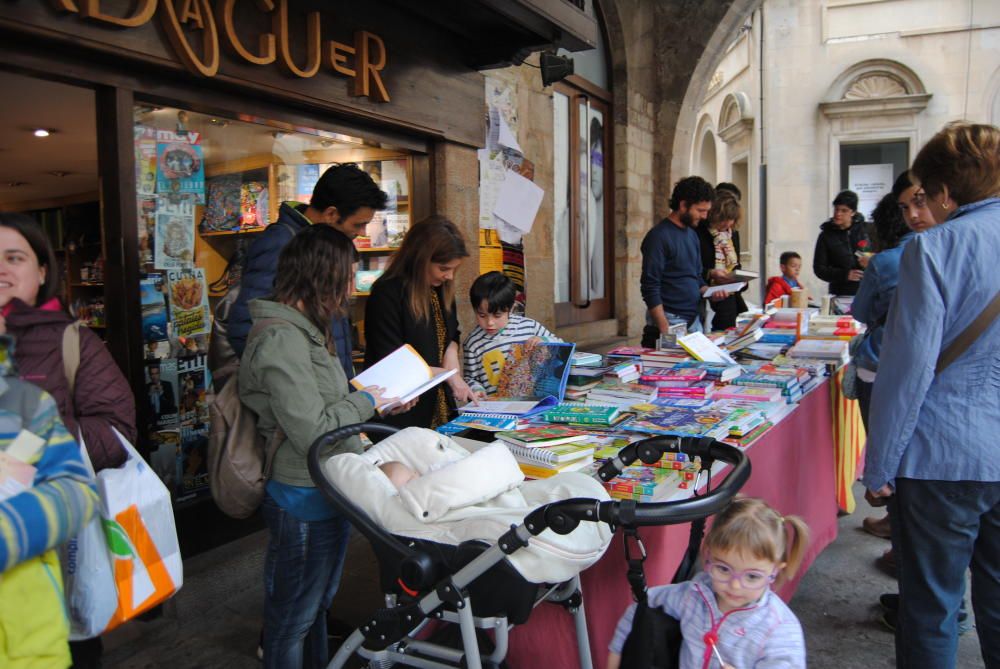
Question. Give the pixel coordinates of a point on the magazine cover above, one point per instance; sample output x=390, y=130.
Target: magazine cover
x=222, y=204
x=306, y=177
x=145, y=160
x=164, y=452
x=180, y=164
x=679, y=421
x=192, y=384
x=154, y=308
x=536, y=373
x=188, y=302
x=174, y=237
x=146, y=208
x=161, y=392
x=192, y=467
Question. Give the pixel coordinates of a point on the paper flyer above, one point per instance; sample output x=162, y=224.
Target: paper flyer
x=154, y=308
x=145, y=160
x=188, y=302
x=174, y=237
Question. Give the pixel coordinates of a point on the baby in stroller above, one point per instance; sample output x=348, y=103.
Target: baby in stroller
x=728, y=615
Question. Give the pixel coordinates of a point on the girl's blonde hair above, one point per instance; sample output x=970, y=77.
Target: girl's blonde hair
x=751, y=527
x=433, y=240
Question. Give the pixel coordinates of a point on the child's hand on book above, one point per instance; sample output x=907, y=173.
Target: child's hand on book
x=532, y=343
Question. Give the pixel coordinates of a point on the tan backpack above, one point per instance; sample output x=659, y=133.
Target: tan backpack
x=239, y=459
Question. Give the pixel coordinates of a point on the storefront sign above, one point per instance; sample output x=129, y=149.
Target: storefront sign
x=362, y=61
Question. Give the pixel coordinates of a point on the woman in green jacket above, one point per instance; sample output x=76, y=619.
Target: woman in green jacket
x=291, y=378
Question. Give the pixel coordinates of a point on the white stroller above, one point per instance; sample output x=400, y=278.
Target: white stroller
x=487, y=566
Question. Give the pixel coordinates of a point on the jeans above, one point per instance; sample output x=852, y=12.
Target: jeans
x=301, y=573
x=651, y=334
x=942, y=528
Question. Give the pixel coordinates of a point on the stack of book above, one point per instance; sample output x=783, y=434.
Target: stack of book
x=714, y=371
x=626, y=371
x=749, y=393
x=789, y=384
x=664, y=358
x=621, y=394
x=834, y=327
x=672, y=377
x=700, y=390
x=583, y=414
x=583, y=359
x=577, y=387
x=545, y=451
x=828, y=350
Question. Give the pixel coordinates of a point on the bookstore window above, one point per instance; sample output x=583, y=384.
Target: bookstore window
x=206, y=185
x=583, y=190
x=49, y=172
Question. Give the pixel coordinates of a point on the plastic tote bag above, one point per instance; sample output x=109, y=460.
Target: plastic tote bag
x=140, y=541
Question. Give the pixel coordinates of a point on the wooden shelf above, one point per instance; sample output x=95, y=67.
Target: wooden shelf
x=377, y=249
x=230, y=233
x=357, y=294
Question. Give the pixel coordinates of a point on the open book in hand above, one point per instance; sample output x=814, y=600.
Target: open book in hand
x=531, y=381
x=403, y=375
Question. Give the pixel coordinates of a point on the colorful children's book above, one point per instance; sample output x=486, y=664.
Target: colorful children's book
x=479, y=421
x=587, y=414
x=676, y=421
x=542, y=435
x=537, y=373
x=749, y=393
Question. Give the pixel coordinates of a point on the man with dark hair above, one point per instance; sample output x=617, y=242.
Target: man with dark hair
x=346, y=199
x=843, y=247
x=672, y=280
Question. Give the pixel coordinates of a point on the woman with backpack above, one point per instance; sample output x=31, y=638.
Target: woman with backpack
x=291, y=379
x=98, y=398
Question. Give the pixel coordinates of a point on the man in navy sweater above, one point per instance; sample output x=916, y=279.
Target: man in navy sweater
x=346, y=199
x=672, y=282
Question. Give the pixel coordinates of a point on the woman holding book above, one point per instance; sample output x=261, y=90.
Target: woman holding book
x=414, y=303
x=291, y=379
x=720, y=256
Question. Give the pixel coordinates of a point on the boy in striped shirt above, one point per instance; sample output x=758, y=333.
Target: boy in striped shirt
x=497, y=329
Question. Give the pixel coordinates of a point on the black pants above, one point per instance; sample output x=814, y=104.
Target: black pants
x=726, y=312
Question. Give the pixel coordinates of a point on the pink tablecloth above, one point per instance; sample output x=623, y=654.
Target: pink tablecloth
x=793, y=469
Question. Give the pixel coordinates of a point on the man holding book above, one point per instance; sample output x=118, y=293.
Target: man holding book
x=672, y=282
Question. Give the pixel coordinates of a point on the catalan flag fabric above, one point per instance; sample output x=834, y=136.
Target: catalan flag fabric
x=33, y=522
x=848, y=441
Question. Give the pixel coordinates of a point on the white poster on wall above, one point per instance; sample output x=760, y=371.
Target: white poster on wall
x=871, y=183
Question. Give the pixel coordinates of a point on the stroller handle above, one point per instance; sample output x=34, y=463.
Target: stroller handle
x=564, y=516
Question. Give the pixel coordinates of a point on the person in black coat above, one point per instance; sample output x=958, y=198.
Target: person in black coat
x=837, y=259
x=346, y=199
x=414, y=303
x=720, y=254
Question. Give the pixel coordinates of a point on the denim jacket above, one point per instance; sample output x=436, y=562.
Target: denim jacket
x=871, y=304
x=940, y=426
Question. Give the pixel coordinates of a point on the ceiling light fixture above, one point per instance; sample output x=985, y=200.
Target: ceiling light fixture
x=42, y=132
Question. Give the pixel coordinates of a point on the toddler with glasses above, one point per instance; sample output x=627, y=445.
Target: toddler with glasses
x=728, y=614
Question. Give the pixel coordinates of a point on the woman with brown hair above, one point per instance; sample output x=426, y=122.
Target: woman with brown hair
x=290, y=377
x=414, y=303
x=935, y=405
x=720, y=255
